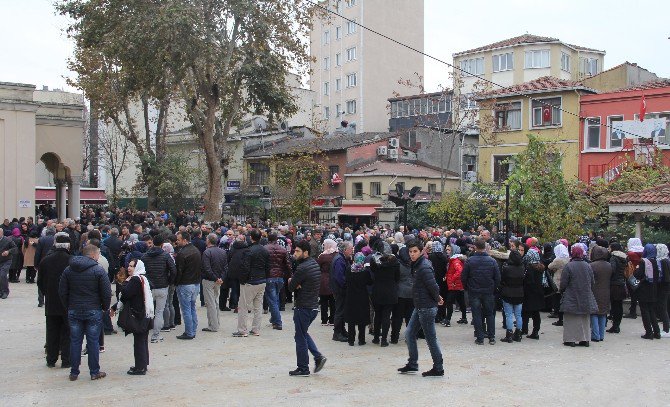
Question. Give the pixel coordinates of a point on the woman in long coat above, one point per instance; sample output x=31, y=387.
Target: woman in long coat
x=326, y=298
x=619, y=263
x=386, y=274
x=561, y=258
x=357, y=299
x=578, y=301
x=29, y=248
x=533, y=292
x=602, y=274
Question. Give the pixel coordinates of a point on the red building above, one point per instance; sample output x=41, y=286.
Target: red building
x=603, y=149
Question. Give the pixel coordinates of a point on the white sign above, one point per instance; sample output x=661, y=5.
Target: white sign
x=25, y=203
x=650, y=128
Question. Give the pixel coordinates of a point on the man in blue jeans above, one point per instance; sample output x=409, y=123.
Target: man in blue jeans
x=426, y=295
x=481, y=277
x=279, y=267
x=188, y=262
x=305, y=283
x=85, y=292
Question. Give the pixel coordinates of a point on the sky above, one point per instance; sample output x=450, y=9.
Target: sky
x=35, y=49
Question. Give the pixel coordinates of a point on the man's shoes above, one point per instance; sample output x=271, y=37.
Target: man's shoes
x=156, y=340
x=552, y=315
x=319, y=363
x=185, y=337
x=614, y=330
x=657, y=336
x=65, y=365
x=492, y=341
x=584, y=344
x=100, y=375
x=40, y=305
x=433, y=373
x=557, y=323
x=375, y=341
x=647, y=336
x=207, y=330
x=4, y=296
x=50, y=365
x=446, y=322
x=102, y=349
x=277, y=327
x=112, y=332
x=462, y=321
x=351, y=344
x=225, y=309
x=236, y=310
x=73, y=377
x=165, y=329
x=630, y=316
x=570, y=344
x=479, y=341
x=394, y=341
x=254, y=333
x=265, y=311
x=533, y=335
x=299, y=372
x=408, y=369
x=137, y=372
x=384, y=343
x=361, y=343
x=338, y=337
x=239, y=334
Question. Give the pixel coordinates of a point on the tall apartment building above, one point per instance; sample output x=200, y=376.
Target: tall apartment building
x=354, y=71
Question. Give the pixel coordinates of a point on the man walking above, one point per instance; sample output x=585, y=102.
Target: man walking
x=305, y=283
x=426, y=295
x=85, y=293
x=341, y=263
x=7, y=251
x=480, y=277
x=160, y=270
x=188, y=283
x=253, y=277
x=280, y=267
x=214, y=268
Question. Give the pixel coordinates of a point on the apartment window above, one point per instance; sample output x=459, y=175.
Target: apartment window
x=326, y=63
x=423, y=106
x=473, y=66
x=351, y=80
x=508, y=116
x=351, y=106
x=588, y=66
x=338, y=110
x=468, y=102
x=339, y=6
x=338, y=59
x=592, y=132
x=351, y=27
x=565, y=62
x=502, y=166
x=326, y=37
x=394, y=109
x=663, y=138
x=537, y=59
x=403, y=109
x=357, y=190
x=503, y=62
x=414, y=107
x=259, y=174
x=333, y=169
x=351, y=54
x=409, y=139
x=432, y=189
x=326, y=112
x=616, y=136
x=469, y=165
x=338, y=84
x=444, y=105
x=338, y=32
x=375, y=189
x=546, y=112
x=432, y=106
x=326, y=88
x=350, y=3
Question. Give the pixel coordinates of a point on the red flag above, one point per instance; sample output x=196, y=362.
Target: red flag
x=643, y=108
x=546, y=113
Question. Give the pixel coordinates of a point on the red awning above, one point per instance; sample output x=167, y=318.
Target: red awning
x=87, y=196
x=357, y=210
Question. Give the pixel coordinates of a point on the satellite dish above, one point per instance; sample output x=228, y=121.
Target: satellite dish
x=260, y=124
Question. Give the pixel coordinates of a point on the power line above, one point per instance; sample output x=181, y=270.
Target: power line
x=560, y=108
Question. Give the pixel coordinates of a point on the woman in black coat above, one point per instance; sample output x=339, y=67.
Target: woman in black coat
x=357, y=300
x=619, y=262
x=533, y=292
x=439, y=261
x=386, y=274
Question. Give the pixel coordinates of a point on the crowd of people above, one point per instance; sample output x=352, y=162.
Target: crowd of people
x=365, y=281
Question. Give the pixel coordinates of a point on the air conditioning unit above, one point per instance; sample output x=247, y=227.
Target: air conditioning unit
x=471, y=176
x=393, y=153
x=394, y=142
x=382, y=151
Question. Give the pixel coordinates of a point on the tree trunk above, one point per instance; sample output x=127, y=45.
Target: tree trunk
x=214, y=194
x=115, y=196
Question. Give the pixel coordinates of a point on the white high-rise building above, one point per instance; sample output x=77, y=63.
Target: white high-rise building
x=354, y=71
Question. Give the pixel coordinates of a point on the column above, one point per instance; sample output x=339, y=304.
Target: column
x=60, y=198
x=74, y=197
x=638, y=225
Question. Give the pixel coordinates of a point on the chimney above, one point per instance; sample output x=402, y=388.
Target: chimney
x=45, y=87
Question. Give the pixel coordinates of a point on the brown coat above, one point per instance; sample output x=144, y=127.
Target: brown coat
x=29, y=252
x=602, y=273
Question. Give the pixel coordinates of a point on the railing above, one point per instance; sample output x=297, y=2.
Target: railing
x=644, y=154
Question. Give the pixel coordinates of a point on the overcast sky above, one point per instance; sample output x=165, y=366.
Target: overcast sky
x=34, y=49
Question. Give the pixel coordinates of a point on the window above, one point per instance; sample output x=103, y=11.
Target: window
x=338, y=32
x=444, y=105
x=405, y=108
x=339, y=6
x=326, y=112
x=350, y=3
x=473, y=66
x=468, y=102
x=326, y=37
x=375, y=189
x=338, y=59
x=588, y=66
x=351, y=107
x=537, y=59
x=663, y=139
x=402, y=184
x=326, y=88
x=351, y=27
x=565, y=62
x=351, y=54
x=432, y=189
x=615, y=136
x=394, y=109
x=338, y=84
x=351, y=80
x=469, y=165
x=338, y=110
x=357, y=190
x=592, y=125
x=503, y=62
x=333, y=169
x=326, y=63
x=508, y=116
x=502, y=166
x=546, y=112
x=423, y=106
x=409, y=139
x=259, y=174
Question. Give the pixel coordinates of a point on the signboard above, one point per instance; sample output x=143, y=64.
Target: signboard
x=631, y=129
x=233, y=185
x=25, y=203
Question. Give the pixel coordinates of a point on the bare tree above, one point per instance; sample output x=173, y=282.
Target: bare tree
x=113, y=150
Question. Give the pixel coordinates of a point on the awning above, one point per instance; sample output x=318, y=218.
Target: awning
x=86, y=195
x=357, y=210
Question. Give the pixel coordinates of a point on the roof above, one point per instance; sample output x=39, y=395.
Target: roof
x=423, y=95
x=523, y=39
x=540, y=85
x=333, y=142
x=393, y=168
x=657, y=84
x=651, y=196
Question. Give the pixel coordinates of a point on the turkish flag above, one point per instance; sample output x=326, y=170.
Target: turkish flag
x=546, y=113
x=643, y=108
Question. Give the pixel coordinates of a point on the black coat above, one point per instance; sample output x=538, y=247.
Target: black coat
x=44, y=245
x=189, y=263
x=307, y=276
x=48, y=277
x=647, y=290
x=357, y=300
x=114, y=245
x=132, y=295
x=256, y=266
x=512, y=280
x=160, y=268
x=236, y=256
x=386, y=277
x=533, y=291
x=619, y=262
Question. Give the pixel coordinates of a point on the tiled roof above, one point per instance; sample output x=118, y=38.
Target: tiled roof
x=657, y=195
x=523, y=39
x=327, y=143
x=580, y=48
x=661, y=83
x=393, y=168
x=539, y=85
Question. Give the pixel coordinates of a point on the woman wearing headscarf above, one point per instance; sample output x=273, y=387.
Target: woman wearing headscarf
x=533, y=291
x=602, y=274
x=663, y=287
x=455, y=290
x=169, y=312
x=561, y=258
x=386, y=274
x=647, y=292
x=578, y=302
x=357, y=300
x=619, y=262
x=29, y=248
x=634, y=253
x=17, y=257
x=326, y=298
x=511, y=293
x=439, y=261
x=405, y=306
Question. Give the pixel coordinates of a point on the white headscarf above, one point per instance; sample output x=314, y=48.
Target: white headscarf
x=661, y=251
x=140, y=271
x=635, y=245
x=329, y=246
x=561, y=252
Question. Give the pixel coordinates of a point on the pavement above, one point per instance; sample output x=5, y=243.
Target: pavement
x=217, y=369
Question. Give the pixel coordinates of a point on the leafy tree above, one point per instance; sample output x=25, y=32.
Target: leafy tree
x=114, y=149
x=297, y=178
x=459, y=209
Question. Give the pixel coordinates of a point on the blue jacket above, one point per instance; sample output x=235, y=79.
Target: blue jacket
x=425, y=291
x=84, y=286
x=481, y=274
x=338, y=274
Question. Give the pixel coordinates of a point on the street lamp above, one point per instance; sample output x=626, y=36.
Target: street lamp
x=400, y=191
x=267, y=205
x=507, y=227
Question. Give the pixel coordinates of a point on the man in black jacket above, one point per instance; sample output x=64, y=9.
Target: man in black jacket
x=214, y=267
x=189, y=264
x=7, y=250
x=50, y=269
x=44, y=245
x=253, y=277
x=305, y=282
x=160, y=271
x=236, y=254
x=114, y=244
x=426, y=294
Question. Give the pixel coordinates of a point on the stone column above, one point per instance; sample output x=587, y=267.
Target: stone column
x=60, y=198
x=74, y=196
x=638, y=225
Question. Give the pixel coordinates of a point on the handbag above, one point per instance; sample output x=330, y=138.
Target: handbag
x=131, y=323
x=633, y=283
x=549, y=284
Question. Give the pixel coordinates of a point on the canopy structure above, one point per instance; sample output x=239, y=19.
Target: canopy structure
x=654, y=201
x=357, y=210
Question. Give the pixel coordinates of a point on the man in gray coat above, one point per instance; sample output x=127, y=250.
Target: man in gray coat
x=214, y=270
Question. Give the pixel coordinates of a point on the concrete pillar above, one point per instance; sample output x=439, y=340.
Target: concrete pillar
x=74, y=196
x=60, y=198
x=638, y=225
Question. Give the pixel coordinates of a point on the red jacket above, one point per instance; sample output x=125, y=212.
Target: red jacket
x=454, y=270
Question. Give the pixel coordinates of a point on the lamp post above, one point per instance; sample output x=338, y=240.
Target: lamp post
x=267, y=205
x=507, y=226
x=400, y=191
